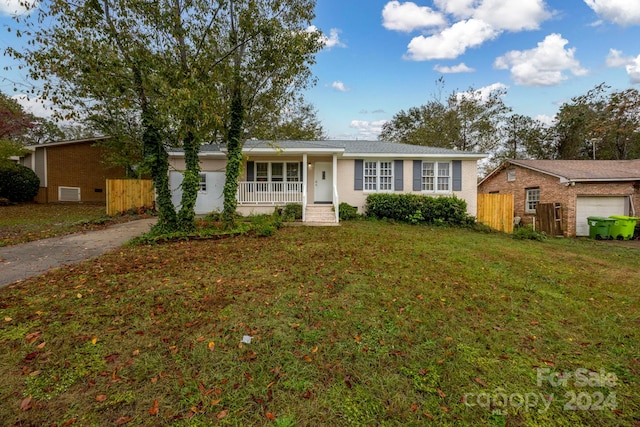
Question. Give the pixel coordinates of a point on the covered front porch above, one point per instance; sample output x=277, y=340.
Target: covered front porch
x=310, y=180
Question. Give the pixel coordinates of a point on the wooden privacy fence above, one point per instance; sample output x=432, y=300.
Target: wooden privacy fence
x=549, y=218
x=496, y=211
x=125, y=194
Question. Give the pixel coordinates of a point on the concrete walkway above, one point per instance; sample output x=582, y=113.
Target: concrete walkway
x=19, y=262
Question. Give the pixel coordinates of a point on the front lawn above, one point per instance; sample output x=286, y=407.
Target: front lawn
x=26, y=222
x=369, y=323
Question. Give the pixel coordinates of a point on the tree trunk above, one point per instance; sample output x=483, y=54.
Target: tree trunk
x=234, y=156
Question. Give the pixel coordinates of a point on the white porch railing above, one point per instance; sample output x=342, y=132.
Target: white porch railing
x=269, y=193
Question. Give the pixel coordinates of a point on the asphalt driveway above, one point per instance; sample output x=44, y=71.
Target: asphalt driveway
x=19, y=262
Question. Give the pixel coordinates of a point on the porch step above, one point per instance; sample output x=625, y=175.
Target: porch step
x=320, y=213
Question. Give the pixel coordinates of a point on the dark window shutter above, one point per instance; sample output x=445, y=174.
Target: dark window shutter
x=457, y=175
x=417, y=175
x=358, y=175
x=250, y=171
x=301, y=175
x=398, y=175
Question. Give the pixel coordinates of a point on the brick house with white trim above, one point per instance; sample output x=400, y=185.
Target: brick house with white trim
x=583, y=188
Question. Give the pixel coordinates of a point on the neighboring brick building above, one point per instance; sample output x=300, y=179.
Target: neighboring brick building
x=582, y=187
x=71, y=171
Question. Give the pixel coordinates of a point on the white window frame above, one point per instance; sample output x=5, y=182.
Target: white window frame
x=531, y=198
x=202, y=183
x=511, y=175
x=377, y=176
x=438, y=182
x=285, y=177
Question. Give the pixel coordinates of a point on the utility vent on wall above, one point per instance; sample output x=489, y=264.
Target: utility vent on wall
x=69, y=194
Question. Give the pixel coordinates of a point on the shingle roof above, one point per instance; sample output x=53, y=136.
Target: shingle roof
x=585, y=170
x=346, y=147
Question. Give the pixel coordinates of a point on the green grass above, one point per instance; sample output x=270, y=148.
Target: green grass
x=369, y=323
x=27, y=222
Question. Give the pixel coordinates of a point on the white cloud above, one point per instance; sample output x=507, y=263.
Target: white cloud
x=15, y=7
x=615, y=59
x=621, y=12
x=409, y=16
x=544, y=65
x=339, y=86
x=332, y=40
x=546, y=120
x=512, y=15
x=633, y=70
x=460, y=68
x=461, y=9
x=451, y=42
x=367, y=129
x=478, y=22
x=483, y=93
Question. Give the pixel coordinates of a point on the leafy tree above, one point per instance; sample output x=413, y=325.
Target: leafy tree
x=600, y=124
x=14, y=125
x=428, y=125
x=523, y=138
x=14, y=122
x=297, y=122
x=174, y=67
x=271, y=51
x=477, y=117
x=466, y=121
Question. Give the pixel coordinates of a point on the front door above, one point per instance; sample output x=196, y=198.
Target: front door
x=323, y=182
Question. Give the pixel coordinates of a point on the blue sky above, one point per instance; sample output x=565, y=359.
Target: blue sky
x=385, y=56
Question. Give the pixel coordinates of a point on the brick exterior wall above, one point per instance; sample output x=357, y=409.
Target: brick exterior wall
x=78, y=165
x=553, y=191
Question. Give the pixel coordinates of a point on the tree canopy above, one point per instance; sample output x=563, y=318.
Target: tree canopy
x=465, y=121
x=167, y=73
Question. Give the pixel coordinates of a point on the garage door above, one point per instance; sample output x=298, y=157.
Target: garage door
x=597, y=206
x=209, y=200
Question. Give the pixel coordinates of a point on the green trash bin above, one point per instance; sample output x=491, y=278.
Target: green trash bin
x=599, y=227
x=623, y=228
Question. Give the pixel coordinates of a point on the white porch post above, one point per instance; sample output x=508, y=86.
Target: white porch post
x=305, y=177
x=336, y=202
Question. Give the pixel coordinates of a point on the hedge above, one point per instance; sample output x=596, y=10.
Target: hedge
x=18, y=183
x=416, y=209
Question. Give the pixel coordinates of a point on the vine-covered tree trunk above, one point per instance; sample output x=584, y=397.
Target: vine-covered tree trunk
x=190, y=183
x=157, y=157
x=234, y=156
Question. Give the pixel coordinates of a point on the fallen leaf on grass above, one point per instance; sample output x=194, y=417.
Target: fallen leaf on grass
x=429, y=416
x=72, y=421
x=8, y=319
x=414, y=407
x=222, y=414
x=32, y=336
x=154, y=408
x=25, y=405
x=41, y=345
x=441, y=394
x=479, y=381
x=270, y=416
x=123, y=420
x=211, y=345
x=101, y=398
